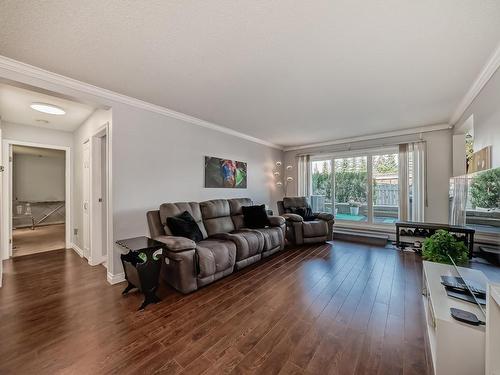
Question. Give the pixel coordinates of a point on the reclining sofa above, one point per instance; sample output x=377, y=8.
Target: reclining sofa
x=226, y=246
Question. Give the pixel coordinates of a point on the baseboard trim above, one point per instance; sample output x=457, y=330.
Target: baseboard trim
x=77, y=249
x=115, y=279
x=96, y=262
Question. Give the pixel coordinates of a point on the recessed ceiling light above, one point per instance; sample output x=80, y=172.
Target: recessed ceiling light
x=48, y=108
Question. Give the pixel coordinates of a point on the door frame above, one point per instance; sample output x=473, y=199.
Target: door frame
x=95, y=243
x=6, y=227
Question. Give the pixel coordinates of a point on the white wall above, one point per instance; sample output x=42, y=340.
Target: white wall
x=39, y=179
x=159, y=159
x=36, y=134
x=156, y=159
x=459, y=157
x=99, y=118
x=486, y=111
x=439, y=168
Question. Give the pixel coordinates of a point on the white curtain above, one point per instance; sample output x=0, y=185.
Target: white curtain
x=403, y=182
x=304, y=176
x=459, y=201
x=413, y=181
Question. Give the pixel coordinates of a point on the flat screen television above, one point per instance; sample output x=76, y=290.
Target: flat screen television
x=475, y=201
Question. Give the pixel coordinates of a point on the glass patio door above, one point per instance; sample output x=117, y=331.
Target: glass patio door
x=351, y=189
x=321, y=197
x=385, y=188
x=360, y=188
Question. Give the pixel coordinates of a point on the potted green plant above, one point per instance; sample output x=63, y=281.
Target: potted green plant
x=354, y=207
x=441, y=244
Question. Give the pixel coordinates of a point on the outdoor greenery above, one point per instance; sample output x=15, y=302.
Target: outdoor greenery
x=386, y=164
x=350, y=177
x=322, y=181
x=441, y=244
x=485, y=189
x=351, y=186
x=469, y=149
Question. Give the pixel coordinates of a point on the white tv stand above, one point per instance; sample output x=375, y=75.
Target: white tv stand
x=493, y=330
x=456, y=348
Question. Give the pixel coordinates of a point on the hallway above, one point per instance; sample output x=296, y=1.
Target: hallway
x=43, y=238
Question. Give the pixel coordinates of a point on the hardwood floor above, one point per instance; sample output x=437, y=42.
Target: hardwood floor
x=341, y=309
x=44, y=238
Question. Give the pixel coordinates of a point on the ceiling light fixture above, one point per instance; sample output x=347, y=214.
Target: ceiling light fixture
x=48, y=108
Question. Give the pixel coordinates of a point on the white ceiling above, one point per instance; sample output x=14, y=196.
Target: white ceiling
x=15, y=107
x=284, y=71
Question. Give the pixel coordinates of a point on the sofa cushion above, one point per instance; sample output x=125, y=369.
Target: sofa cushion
x=184, y=225
x=273, y=237
x=315, y=228
x=255, y=217
x=235, y=206
x=248, y=243
x=215, y=256
x=216, y=216
x=174, y=209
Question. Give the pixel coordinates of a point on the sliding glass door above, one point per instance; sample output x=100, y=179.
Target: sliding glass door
x=351, y=188
x=385, y=188
x=321, y=174
x=357, y=188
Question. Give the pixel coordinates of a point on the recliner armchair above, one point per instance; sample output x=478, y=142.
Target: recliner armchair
x=302, y=232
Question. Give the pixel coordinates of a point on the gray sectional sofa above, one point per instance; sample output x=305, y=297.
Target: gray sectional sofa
x=226, y=246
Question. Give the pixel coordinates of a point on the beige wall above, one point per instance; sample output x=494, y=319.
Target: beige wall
x=439, y=157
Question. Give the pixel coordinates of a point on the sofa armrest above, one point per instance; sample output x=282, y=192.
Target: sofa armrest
x=176, y=244
x=324, y=216
x=293, y=217
x=276, y=221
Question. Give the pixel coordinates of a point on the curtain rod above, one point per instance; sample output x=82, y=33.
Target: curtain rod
x=341, y=147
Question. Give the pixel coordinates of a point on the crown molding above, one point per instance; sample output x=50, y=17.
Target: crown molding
x=482, y=79
x=396, y=133
x=54, y=78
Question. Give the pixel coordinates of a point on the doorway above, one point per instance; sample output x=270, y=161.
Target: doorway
x=96, y=197
x=36, y=215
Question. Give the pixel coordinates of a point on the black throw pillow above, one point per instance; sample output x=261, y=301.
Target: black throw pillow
x=255, y=217
x=184, y=225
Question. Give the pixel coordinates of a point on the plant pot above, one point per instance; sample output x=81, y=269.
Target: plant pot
x=354, y=211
